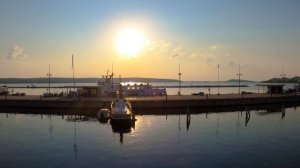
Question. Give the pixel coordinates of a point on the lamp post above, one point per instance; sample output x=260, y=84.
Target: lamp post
x=179, y=81
x=49, y=76
x=218, y=79
x=283, y=75
x=239, y=75
x=73, y=74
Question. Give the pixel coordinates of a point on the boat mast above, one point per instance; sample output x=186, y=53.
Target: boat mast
x=120, y=88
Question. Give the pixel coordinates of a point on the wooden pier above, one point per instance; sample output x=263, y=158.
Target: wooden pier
x=145, y=105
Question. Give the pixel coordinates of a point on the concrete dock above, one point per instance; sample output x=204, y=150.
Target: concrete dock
x=146, y=105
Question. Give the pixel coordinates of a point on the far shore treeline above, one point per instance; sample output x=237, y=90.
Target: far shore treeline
x=295, y=79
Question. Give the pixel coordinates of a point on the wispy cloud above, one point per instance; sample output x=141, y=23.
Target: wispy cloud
x=165, y=49
x=206, y=58
x=210, y=55
x=16, y=52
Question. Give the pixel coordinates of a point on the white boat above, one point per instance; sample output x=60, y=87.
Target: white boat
x=121, y=112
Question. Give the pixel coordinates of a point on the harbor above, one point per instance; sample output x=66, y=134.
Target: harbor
x=145, y=98
x=154, y=84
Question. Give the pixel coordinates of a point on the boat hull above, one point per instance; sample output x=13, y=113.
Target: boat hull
x=121, y=120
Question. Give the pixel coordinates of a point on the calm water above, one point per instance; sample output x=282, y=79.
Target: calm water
x=231, y=139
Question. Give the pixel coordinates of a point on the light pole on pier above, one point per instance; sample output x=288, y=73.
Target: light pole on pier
x=239, y=75
x=49, y=76
x=218, y=79
x=73, y=67
x=179, y=81
x=283, y=75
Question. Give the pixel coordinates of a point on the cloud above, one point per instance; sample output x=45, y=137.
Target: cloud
x=177, y=51
x=165, y=49
x=213, y=47
x=16, y=52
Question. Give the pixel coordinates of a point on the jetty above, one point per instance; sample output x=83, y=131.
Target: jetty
x=144, y=105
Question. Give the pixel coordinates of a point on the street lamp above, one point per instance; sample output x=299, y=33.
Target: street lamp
x=179, y=81
x=49, y=75
x=218, y=79
x=239, y=75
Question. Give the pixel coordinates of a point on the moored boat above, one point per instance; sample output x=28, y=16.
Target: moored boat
x=121, y=112
x=103, y=115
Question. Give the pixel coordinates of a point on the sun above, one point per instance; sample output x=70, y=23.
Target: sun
x=130, y=42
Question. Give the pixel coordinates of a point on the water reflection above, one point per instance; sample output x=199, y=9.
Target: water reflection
x=188, y=119
x=179, y=125
x=217, y=132
x=75, y=118
x=238, y=122
x=154, y=138
x=186, y=113
x=247, y=116
x=282, y=112
x=272, y=110
x=75, y=146
x=51, y=128
x=122, y=129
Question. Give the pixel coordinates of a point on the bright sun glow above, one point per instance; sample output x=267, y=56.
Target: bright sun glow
x=130, y=42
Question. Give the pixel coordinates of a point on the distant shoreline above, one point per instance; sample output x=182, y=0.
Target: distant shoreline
x=77, y=80
x=295, y=79
x=95, y=80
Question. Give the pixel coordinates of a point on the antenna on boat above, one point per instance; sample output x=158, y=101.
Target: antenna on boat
x=120, y=88
x=107, y=72
x=179, y=81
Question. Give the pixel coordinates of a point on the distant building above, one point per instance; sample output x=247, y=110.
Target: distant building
x=271, y=88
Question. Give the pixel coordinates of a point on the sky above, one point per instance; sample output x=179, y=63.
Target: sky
x=262, y=37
